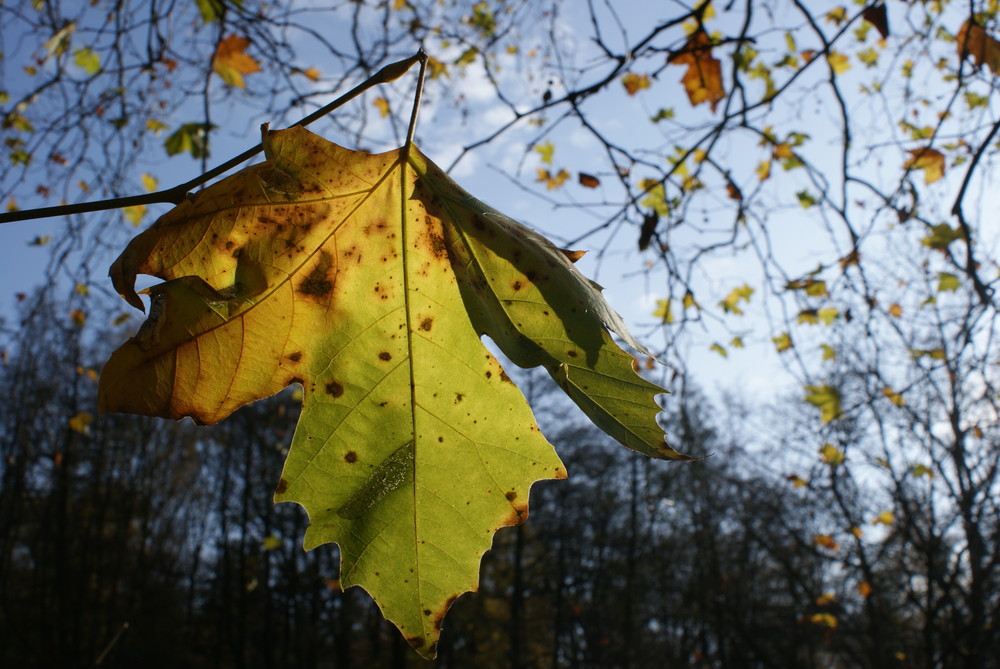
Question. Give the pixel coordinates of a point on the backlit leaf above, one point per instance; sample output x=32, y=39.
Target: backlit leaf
x=893, y=396
x=87, y=60
x=931, y=161
x=703, y=79
x=655, y=197
x=367, y=280
x=796, y=481
x=830, y=454
x=663, y=311
x=826, y=398
x=782, y=342
x=588, y=180
x=382, y=105
x=827, y=620
x=839, y=62
x=81, y=422
x=730, y=304
x=133, y=214
x=545, y=152
x=973, y=42
x=189, y=138
x=826, y=541
x=940, y=236
x=884, y=518
x=634, y=83
x=552, y=181
x=948, y=282
x=231, y=61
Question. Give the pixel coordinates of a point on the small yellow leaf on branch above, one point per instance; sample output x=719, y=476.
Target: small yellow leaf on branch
x=634, y=83
x=231, y=61
x=931, y=161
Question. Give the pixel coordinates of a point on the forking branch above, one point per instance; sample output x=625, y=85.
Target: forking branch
x=177, y=194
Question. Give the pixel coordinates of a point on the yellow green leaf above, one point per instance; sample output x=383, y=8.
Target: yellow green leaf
x=656, y=197
x=720, y=349
x=839, y=62
x=664, y=312
x=87, y=60
x=149, y=182
x=826, y=398
x=829, y=353
x=884, y=518
x=837, y=15
x=827, y=620
x=271, y=542
x=919, y=470
x=796, y=481
x=730, y=304
x=827, y=315
x=782, y=342
x=830, y=454
x=948, y=282
x=893, y=396
x=413, y=446
x=382, y=105
x=134, y=213
x=545, y=152
x=155, y=126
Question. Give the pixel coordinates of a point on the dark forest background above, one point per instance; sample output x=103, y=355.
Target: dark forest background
x=132, y=541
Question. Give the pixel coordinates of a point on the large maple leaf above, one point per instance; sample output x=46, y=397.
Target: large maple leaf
x=368, y=280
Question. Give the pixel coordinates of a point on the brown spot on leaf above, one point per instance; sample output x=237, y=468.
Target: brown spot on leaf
x=517, y=285
x=385, y=355
x=295, y=379
x=415, y=641
x=319, y=281
x=282, y=487
x=571, y=353
x=458, y=397
x=504, y=377
x=334, y=388
x=295, y=357
x=426, y=324
x=511, y=496
x=438, y=246
x=350, y=456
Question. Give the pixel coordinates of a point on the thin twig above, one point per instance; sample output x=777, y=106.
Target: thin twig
x=416, y=100
x=177, y=194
